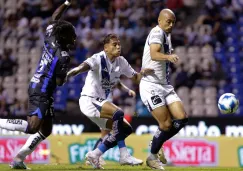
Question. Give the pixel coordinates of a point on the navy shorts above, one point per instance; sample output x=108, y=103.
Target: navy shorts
x=40, y=105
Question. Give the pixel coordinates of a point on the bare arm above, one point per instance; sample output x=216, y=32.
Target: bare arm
x=156, y=55
x=138, y=76
x=122, y=86
x=59, y=11
x=84, y=67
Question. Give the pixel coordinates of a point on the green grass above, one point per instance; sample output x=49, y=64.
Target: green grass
x=82, y=167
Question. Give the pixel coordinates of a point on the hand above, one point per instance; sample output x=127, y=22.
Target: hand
x=132, y=93
x=173, y=58
x=147, y=71
x=68, y=2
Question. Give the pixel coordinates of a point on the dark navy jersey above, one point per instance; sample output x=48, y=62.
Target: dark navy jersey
x=52, y=65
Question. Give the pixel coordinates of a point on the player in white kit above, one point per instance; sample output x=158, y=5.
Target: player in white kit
x=155, y=90
x=106, y=132
x=104, y=71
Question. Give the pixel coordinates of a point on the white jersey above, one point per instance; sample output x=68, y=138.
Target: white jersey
x=104, y=74
x=161, y=68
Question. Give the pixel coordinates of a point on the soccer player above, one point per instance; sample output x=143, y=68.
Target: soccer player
x=155, y=90
x=104, y=71
x=105, y=132
x=51, y=72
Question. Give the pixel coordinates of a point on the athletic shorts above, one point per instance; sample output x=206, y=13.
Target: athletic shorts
x=40, y=105
x=155, y=95
x=91, y=107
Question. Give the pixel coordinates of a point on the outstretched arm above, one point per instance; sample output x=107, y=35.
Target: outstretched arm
x=138, y=76
x=59, y=11
x=84, y=67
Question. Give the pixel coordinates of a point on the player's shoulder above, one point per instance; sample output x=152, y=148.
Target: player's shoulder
x=97, y=55
x=156, y=30
x=121, y=58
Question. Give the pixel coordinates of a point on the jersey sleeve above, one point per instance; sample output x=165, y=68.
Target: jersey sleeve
x=156, y=37
x=126, y=68
x=93, y=62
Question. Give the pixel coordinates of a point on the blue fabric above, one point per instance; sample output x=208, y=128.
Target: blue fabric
x=46, y=81
x=121, y=144
x=97, y=107
x=105, y=82
x=166, y=51
x=102, y=147
x=161, y=136
x=38, y=112
x=118, y=115
x=33, y=85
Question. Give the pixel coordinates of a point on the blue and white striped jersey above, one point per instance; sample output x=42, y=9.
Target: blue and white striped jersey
x=104, y=74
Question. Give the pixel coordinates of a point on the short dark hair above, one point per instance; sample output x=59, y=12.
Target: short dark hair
x=108, y=37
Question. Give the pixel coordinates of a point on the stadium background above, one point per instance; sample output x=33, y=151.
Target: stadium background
x=208, y=38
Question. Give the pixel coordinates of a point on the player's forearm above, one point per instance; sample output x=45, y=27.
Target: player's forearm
x=158, y=56
x=137, y=78
x=78, y=70
x=60, y=10
x=122, y=86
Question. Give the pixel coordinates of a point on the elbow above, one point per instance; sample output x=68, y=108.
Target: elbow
x=153, y=57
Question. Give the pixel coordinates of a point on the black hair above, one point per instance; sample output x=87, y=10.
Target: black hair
x=64, y=32
x=109, y=37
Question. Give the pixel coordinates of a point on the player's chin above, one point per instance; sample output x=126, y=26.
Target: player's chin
x=118, y=54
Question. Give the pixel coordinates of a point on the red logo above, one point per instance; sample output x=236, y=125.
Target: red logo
x=9, y=147
x=191, y=152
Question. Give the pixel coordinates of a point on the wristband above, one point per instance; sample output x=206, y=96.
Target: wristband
x=67, y=3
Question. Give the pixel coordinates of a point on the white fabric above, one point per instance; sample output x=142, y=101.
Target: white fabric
x=93, y=86
x=33, y=140
x=156, y=36
x=87, y=107
x=14, y=124
x=155, y=95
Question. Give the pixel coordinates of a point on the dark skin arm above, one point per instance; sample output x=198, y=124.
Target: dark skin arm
x=59, y=11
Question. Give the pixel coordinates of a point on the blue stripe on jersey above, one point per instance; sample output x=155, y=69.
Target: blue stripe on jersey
x=50, y=73
x=105, y=82
x=33, y=85
x=166, y=51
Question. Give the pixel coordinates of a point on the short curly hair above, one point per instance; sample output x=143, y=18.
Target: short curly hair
x=63, y=30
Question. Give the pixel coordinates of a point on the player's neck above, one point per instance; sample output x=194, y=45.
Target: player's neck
x=110, y=57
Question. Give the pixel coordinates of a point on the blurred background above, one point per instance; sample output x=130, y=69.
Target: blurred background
x=208, y=38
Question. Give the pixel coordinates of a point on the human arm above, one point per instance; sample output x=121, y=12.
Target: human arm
x=138, y=76
x=156, y=54
x=122, y=86
x=59, y=11
x=83, y=67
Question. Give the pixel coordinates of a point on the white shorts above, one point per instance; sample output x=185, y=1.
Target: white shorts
x=155, y=95
x=91, y=107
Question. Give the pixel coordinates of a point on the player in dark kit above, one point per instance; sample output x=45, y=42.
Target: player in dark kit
x=50, y=73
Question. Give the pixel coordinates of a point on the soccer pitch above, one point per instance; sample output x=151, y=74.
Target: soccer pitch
x=112, y=167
